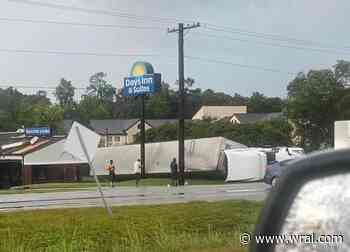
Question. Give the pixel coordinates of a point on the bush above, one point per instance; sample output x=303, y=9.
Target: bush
x=270, y=133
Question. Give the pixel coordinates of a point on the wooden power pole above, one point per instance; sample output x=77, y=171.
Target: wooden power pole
x=181, y=132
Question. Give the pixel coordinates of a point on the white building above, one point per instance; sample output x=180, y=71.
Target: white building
x=219, y=112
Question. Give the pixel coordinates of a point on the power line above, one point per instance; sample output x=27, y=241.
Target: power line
x=167, y=21
x=275, y=44
x=160, y=28
x=214, y=27
x=36, y=87
x=113, y=13
x=75, y=53
x=131, y=55
x=80, y=24
x=237, y=65
x=277, y=37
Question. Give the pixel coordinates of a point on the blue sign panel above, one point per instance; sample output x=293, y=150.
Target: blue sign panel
x=41, y=131
x=141, y=85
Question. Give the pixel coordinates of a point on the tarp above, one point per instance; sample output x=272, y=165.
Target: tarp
x=81, y=142
x=200, y=155
x=249, y=165
x=52, y=155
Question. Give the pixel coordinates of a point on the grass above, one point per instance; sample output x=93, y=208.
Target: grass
x=196, y=226
x=29, y=190
x=73, y=186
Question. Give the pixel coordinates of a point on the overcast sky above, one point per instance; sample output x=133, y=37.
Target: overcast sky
x=324, y=22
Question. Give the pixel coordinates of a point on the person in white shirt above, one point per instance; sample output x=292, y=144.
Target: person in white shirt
x=137, y=171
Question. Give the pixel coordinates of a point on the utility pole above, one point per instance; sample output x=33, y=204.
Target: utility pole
x=181, y=131
x=107, y=133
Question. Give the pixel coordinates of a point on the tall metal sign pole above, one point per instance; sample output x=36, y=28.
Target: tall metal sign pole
x=142, y=82
x=181, y=131
x=143, y=137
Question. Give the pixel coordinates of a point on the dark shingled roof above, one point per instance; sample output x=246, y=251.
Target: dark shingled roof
x=258, y=117
x=119, y=126
x=9, y=137
x=115, y=127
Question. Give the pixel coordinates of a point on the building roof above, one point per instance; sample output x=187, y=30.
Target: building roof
x=115, y=126
x=219, y=112
x=20, y=145
x=67, y=125
x=258, y=117
x=9, y=137
x=119, y=126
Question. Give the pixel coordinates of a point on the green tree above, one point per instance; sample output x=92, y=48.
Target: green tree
x=10, y=100
x=271, y=133
x=313, y=105
x=259, y=103
x=12, y=105
x=64, y=93
x=125, y=107
x=90, y=107
x=39, y=115
x=100, y=88
x=342, y=72
x=51, y=116
x=159, y=105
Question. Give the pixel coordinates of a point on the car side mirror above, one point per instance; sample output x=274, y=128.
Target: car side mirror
x=308, y=210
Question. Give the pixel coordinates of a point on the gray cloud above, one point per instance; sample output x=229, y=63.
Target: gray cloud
x=321, y=21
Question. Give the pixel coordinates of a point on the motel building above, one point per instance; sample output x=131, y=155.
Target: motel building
x=27, y=158
x=36, y=155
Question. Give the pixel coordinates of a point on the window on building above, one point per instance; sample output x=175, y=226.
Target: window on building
x=109, y=141
x=116, y=138
x=102, y=142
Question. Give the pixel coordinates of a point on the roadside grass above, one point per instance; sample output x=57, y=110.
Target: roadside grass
x=74, y=186
x=130, y=182
x=196, y=226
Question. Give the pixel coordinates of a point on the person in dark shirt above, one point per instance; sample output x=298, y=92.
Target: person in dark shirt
x=173, y=170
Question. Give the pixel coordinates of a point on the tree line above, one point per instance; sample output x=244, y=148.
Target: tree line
x=262, y=134
x=315, y=100
x=103, y=101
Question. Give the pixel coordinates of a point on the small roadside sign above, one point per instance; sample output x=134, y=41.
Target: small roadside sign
x=39, y=131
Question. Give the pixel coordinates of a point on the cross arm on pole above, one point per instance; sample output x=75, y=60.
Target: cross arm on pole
x=185, y=27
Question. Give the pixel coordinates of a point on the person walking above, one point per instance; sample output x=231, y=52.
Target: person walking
x=137, y=171
x=111, y=169
x=173, y=169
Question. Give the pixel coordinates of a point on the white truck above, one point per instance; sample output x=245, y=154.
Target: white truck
x=341, y=134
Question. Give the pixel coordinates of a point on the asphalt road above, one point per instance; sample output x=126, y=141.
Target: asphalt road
x=118, y=196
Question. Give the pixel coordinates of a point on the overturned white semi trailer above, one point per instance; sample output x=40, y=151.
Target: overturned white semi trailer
x=247, y=164
x=341, y=135
x=204, y=154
